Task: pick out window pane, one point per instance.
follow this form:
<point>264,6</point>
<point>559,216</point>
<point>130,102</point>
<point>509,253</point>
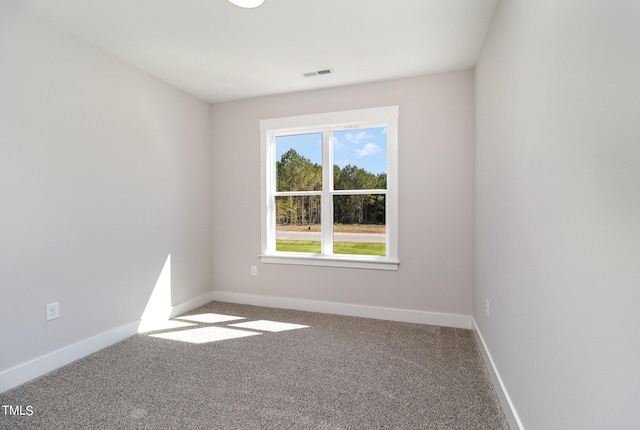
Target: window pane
<point>299,162</point>
<point>298,224</point>
<point>360,159</point>
<point>359,224</point>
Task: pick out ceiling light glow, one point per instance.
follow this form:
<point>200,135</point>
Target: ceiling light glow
<point>247,4</point>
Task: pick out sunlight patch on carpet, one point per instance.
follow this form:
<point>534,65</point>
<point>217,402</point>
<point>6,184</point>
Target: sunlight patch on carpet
<point>147,326</point>
<point>210,318</point>
<point>272,326</point>
<point>205,334</point>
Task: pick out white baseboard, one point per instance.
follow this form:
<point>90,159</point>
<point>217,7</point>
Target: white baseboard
<point>46,363</point>
<point>507,406</point>
<point>39,366</point>
<point>183,307</point>
<point>391,314</point>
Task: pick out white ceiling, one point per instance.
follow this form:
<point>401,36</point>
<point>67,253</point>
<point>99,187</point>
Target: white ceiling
<point>220,52</point>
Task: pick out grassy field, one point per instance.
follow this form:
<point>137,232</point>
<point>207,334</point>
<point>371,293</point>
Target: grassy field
<point>313,246</point>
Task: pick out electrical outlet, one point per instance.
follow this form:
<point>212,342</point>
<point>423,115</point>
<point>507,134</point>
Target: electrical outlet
<point>254,270</point>
<point>487,308</point>
<point>53,311</point>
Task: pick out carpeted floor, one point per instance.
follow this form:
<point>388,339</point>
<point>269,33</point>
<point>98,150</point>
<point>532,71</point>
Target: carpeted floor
<point>279,369</point>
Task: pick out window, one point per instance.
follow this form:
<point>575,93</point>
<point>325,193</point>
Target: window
<point>330,189</point>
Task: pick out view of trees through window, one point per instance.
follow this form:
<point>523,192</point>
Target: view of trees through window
<point>359,182</point>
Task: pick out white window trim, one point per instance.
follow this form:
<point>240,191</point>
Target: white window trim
<point>355,119</point>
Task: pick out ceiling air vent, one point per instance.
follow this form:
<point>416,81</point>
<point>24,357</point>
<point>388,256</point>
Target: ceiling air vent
<point>318,73</point>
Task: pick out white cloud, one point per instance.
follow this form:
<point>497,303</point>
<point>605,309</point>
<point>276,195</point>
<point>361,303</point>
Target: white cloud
<point>341,163</point>
<point>357,137</point>
<point>368,149</point>
<point>337,144</point>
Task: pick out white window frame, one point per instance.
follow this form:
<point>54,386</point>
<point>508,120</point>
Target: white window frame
<point>353,119</point>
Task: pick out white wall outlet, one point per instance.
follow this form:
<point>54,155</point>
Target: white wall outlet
<point>254,270</point>
<point>53,311</point>
<point>487,309</point>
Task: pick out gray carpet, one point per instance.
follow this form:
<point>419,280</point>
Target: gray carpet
<point>337,373</point>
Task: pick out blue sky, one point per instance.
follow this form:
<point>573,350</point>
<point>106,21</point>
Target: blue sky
<point>365,148</point>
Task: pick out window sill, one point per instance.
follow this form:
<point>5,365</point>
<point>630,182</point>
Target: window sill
<point>351,262</point>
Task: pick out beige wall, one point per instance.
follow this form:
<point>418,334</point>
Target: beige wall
<point>104,171</point>
<point>558,210</point>
<point>435,201</point>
